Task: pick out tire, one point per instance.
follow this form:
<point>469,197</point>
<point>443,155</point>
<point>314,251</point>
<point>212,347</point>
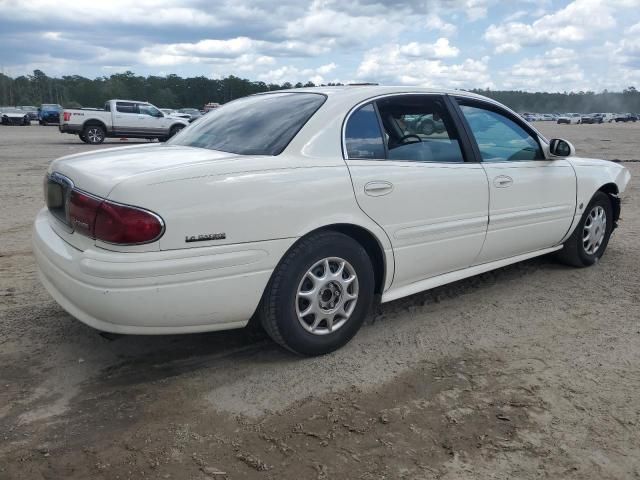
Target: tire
<point>94,134</point>
<point>579,252</point>
<point>83,138</point>
<point>282,307</point>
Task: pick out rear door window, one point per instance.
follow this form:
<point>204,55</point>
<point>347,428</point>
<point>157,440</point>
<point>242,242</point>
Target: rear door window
<point>419,128</point>
<point>126,107</point>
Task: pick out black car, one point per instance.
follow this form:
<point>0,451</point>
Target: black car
<point>626,117</point>
<point>31,111</point>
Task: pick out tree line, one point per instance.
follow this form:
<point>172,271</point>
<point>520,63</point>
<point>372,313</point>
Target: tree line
<point>173,91</point>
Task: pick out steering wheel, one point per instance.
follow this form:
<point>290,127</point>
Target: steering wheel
<point>402,139</point>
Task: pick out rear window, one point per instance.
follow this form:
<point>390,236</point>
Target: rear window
<point>256,125</point>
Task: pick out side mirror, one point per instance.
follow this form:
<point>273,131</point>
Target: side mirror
<point>561,148</point>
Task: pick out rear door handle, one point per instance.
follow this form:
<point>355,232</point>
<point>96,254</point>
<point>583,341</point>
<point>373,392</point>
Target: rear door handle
<point>503,181</point>
<point>378,188</point>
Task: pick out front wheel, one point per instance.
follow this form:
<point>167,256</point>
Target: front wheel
<point>589,240</point>
<point>319,295</point>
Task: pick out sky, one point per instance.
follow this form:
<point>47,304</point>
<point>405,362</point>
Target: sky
<point>533,45</point>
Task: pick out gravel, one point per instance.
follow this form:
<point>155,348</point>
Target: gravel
<point>526,372</point>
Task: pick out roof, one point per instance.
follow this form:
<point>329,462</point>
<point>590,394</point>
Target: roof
<point>375,90</point>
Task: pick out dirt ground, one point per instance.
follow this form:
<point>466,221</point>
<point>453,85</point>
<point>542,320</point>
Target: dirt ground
<point>528,372</point>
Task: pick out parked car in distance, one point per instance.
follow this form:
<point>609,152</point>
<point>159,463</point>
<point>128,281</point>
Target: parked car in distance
<point>211,106</point>
<point>569,118</point>
<point>591,118</point>
<point>175,113</point>
<point>302,206</point>
<point>30,110</point>
<point>193,113</point>
<point>120,119</point>
<point>626,117</point>
<point>49,113</point>
<point>14,116</point>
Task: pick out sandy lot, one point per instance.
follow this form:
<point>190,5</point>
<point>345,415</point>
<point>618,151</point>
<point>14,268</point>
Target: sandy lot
<point>528,372</point>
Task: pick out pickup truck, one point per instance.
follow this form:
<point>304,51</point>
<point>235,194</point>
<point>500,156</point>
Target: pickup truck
<point>120,119</point>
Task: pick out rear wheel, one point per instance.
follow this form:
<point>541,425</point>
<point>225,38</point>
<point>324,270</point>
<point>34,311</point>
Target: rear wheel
<point>94,134</point>
<point>83,138</point>
<point>589,240</point>
<point>319,295</point>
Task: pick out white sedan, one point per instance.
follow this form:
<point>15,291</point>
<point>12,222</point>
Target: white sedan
<point>301,207</point>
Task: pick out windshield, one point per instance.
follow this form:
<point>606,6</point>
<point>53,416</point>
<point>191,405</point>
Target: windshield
<point>255,125</point>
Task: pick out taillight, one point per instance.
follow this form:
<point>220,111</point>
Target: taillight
<point>82,212</point>
<point>66,116</point>
<point>126,225</point>
<point>112,222</point>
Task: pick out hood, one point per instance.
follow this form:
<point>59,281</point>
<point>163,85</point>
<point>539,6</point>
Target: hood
<point>100,171</point>
<point>14,114</point>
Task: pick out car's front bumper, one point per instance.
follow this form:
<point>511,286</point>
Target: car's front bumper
<point>161,292</point>
<point>13,120</point>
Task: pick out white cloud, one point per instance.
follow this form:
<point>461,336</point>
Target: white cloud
<point>435,22</point>
<point>574,23</point>
<point>395,64</point>
<point>553,70</point>
<point>440,49</point>
<point>293,74</point>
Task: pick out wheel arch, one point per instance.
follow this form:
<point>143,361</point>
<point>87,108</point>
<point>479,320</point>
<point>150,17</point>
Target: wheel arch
<point>366,239</point>
<point>96,122</point>
<point>612,191</point>
<point>371,244</point>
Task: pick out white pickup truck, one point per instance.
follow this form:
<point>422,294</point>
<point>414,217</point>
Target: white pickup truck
<point>120,119</point>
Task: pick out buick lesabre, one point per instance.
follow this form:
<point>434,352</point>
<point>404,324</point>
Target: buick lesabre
<point>300,208</point>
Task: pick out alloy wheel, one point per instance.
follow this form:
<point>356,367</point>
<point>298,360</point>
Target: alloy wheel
<point>327,296</point>
<point>94,135</point>
<point>595,228</point>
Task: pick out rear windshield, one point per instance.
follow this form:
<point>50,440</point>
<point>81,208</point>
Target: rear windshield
<point>256,125</point>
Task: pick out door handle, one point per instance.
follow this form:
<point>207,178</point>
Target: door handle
<point>503,181</point>
<point>378,188</point>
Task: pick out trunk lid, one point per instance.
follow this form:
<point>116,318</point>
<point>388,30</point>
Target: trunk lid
<point>99,172</point>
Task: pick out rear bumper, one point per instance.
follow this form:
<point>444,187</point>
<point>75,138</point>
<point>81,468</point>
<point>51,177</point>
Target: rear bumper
<point>165,292</point>
<point>73,129</point>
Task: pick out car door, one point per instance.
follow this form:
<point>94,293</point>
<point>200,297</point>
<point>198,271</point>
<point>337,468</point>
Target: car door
<point>128,120</point>
<point>407,163</point>
<point>532,199</point>
<point>154,120</point>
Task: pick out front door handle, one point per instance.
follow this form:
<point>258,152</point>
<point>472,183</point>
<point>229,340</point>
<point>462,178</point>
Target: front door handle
<point>503,181</point>
<point>378,188</point>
